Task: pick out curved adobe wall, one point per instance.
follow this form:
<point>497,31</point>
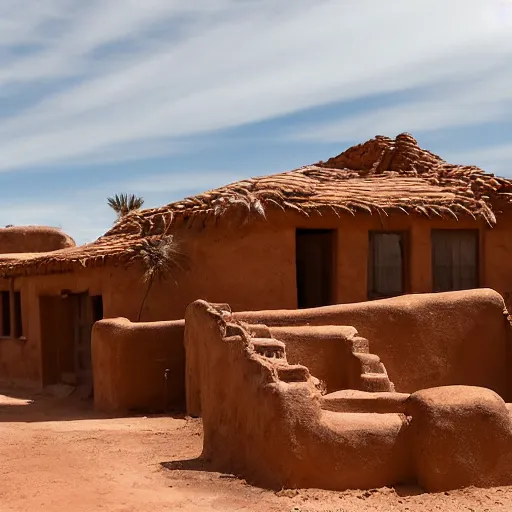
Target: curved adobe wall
<point>129,362</point>
<point>425,340</point>
<point>29,239</point>
<point>263,419</point>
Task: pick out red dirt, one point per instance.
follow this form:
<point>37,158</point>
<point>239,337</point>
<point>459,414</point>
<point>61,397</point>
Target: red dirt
<point>58,455</point>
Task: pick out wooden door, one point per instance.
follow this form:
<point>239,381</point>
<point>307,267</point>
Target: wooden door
<point>57,340</point>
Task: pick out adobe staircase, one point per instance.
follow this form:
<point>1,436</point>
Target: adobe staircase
<point>268,347</point>
<point>367,374</point>
<point>372,374</point>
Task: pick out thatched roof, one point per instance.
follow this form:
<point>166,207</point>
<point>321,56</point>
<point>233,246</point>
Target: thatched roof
<point>381,176</point>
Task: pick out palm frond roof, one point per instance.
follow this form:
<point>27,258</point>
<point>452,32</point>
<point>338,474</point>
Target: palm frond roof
<point>382,176</point>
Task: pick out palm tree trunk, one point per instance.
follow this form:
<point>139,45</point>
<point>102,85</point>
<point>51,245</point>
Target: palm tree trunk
<point>150,283</point>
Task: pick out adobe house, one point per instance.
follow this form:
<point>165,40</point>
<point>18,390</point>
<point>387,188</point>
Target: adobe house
<point>382,219</point>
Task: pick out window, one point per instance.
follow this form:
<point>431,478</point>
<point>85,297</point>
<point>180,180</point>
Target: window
<point>97,307</point>
<point>9,310</point>
<point>6,314</point>
<point>454,259</point>
<point>386,268</point>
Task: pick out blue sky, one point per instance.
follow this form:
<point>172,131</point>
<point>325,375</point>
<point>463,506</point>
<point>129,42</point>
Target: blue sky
<point>167,98</point>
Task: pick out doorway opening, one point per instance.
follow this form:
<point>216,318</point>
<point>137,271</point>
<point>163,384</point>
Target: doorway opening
<point>314,256</point>
<point>66,326</point>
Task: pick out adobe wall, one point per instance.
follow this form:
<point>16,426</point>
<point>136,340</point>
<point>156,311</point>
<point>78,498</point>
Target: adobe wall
<point>129,365</point>
<point>18,361</point>
<point>352,245</point>
<point>424,340</point>
<point>497,251</point>
<point>252,268</point>
<point>264,420</point>
<point>32,239</point>
<point>226,263</point>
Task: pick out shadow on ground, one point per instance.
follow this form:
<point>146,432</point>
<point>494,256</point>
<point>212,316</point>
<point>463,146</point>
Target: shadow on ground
<point>202,465</point>
<point>197,464</point>
<point>24,405</point>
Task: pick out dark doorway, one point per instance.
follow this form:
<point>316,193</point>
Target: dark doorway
<point>57,340</point>
<point>66,326</point>
<point>454,259</point>
<point>314,264</point>
<point>386,265</point>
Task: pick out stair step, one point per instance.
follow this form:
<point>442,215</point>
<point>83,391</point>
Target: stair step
<point>376,382</point>
<point>355,401</point>
<point>360,345</point>
<point>268,347</point>
<point>293,373</point>
<point>258,330</point>
<point>233,330</point>
<point>370,363</point>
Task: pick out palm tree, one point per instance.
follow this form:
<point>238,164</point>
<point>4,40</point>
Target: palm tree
<point>160,259</point>
<point>123,204</point>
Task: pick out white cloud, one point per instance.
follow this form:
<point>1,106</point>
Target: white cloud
<point>223,64</point>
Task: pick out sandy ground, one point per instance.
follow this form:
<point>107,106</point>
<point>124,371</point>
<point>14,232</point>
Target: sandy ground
<point>56,454</point>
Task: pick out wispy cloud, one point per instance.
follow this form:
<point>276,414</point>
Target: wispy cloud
<point>468,101</point>
<point>129,72</point>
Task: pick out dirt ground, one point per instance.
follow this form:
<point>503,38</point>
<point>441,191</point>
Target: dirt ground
<point>56,454</point>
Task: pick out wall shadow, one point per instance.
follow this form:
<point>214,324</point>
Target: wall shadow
<point>19,405</point>
<point>200,464</point>
<point>197,464</point>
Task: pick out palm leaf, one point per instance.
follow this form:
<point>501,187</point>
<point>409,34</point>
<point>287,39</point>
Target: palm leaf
<point>160,259</point>
<point>123,204</point>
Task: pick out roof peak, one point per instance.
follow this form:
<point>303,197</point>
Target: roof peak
<point>383,154</point>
